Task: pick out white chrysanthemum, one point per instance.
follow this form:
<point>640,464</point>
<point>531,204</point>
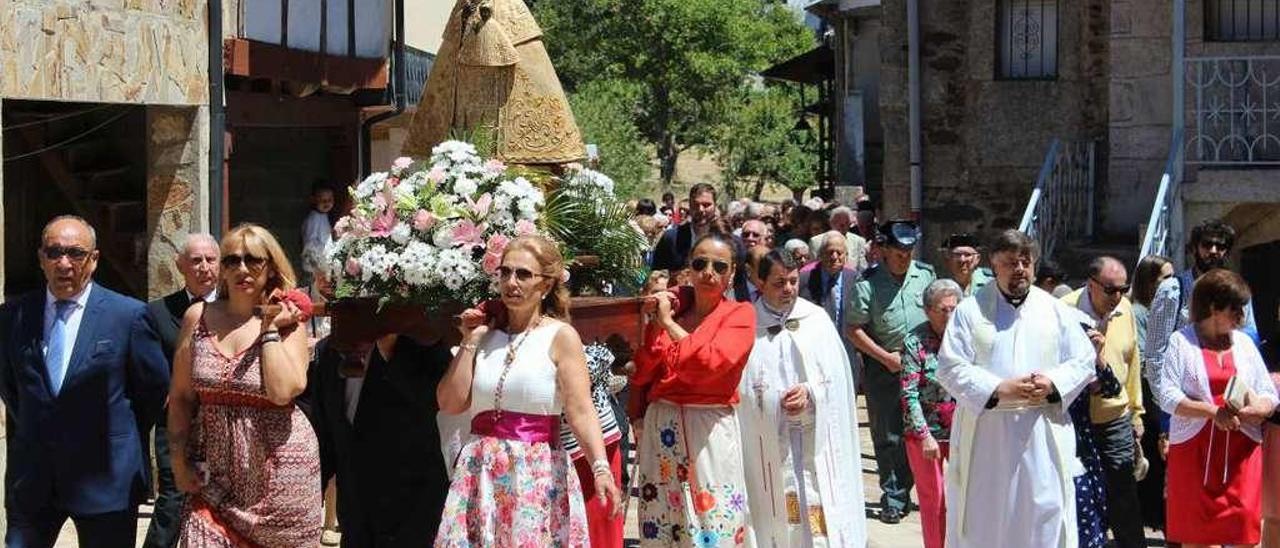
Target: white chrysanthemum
<point>443,237</point>
<point>417,264</point>
<point>370,185</point>
<point>371,262</point>
<point>401,233</point>
<point>454,268</point>
<point>464,186</point>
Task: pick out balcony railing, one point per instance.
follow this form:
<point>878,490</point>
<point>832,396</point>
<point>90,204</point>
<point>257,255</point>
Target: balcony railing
<point>1235,110</point>
<point>1061,204</point>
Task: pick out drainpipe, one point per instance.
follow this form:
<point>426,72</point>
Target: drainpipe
<point>913,115</point>
<point>217,121</point>
<point>398,95</point>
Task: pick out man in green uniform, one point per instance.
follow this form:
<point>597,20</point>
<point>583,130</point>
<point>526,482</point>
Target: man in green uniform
<point>884,307</point>
<point>962,257</point>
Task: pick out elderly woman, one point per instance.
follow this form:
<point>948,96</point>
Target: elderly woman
<point>1215,463</point>
<point>799,251</point>
<point>928,407</point>
<point>685,389</point>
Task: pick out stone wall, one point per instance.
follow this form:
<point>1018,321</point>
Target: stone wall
<point>108,51</point>
<point>984,138</point>
<point>177,189</point>
<point>1141,101</point>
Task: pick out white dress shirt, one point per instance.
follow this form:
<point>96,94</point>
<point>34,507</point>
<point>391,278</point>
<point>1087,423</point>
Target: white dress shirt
<point>73,326</point>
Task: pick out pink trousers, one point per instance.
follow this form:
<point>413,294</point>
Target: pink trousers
<point>930,490</point>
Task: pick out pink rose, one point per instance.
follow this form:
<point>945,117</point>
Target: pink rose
<point>393,182</point>
<point>423,220</point>
<point>353,267</point>
<point>384,222</point>
<point>495,166</point>
<point>342,227</point>
<point>524,227</point>
<point>466,233</point>
<point>402,162</point>
<point>493,250</point>
<point>436,175</point>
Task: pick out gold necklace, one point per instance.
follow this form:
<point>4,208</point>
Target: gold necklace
<point>510,358</point>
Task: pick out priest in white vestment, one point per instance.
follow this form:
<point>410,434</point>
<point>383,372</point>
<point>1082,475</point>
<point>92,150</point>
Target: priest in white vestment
<point>799,427</point>
<point>1014,358</point>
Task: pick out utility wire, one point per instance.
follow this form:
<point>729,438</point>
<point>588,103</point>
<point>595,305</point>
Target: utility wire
<point>71,140</point>
<point>56,118</point>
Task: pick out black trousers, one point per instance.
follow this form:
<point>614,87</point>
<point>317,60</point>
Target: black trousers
<point>40,528</point>
<point>884,409</point>
<point>165,525</point>
<point>1124,513</point>
<point>1151,489</point>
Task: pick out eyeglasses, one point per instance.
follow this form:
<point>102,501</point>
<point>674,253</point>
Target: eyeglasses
<point>251,262</point>
<point>56,252</point>
<point>1217,245</point>
<point>700,265</point>
<point>521,274</point>
<point>1113,290</point>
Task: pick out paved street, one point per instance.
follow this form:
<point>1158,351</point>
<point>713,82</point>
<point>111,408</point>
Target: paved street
<point>903,535</point>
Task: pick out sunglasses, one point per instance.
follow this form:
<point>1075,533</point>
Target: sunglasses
<point>1215,245</point>
<point>232,262</point>
<point>1114,290</point>
<point>521,274</point>
<point>751,234</point>
<point>700,265</point>
<point>55,252</point>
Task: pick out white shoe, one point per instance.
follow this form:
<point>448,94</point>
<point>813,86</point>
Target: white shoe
<point>330,538</point>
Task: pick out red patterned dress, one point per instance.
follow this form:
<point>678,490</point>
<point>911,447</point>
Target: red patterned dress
<point>259,463</point>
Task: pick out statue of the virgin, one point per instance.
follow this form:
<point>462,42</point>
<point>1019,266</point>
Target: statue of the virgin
<point>493,75</point>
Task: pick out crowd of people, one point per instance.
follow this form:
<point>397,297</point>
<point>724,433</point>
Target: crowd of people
<point>1024,412</point>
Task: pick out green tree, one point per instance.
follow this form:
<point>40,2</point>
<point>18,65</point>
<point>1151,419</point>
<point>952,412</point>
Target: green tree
<point>689,58</point>
<point>606,114</point>
<point>760,144</point>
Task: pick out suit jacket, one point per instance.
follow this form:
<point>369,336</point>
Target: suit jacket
<point>165,317</point>
<point>80,451</point>
<point>811,289</point>
<point>392,480</point>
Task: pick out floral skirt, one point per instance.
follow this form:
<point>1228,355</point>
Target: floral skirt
<point>513,494</point>
<point>692,488</point>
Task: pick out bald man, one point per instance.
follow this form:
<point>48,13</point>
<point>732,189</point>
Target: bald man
<point>197,261</point>
<point>82,374</point>
<point>1115,410</point>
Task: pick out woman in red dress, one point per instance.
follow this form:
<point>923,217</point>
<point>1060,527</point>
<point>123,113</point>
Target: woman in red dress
<point>685,389</point>
<point>245,455</point>
<point>1215,465</point>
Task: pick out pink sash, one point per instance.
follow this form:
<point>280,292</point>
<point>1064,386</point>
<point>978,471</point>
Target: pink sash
<point>515,426</point>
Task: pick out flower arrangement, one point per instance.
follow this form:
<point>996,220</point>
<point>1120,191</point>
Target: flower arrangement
<point>433,232</point>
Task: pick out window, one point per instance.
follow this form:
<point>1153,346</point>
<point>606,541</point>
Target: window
<point>1028,40</point>
<point>1242,20</point>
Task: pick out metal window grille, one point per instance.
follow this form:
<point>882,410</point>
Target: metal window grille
<point>1242,20</point>
<point>1028,40</point>
<point>417,68</point>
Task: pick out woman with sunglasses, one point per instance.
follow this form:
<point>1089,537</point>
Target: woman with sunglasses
<point>518,368</point>
<point>685,389</point>
<point>243,452</point>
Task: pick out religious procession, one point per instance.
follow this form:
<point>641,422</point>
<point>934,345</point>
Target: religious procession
<point>606,273</point>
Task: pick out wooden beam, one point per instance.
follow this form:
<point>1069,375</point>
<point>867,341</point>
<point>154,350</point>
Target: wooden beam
<point>266,110</point>
<point>243,57</point>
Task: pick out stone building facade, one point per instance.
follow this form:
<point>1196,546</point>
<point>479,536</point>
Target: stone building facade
<point>63,63</point>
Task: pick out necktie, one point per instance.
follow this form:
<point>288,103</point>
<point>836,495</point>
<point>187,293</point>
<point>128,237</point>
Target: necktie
<point>56,357</point>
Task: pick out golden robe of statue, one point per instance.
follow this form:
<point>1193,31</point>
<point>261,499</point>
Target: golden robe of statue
<point>493,74</point>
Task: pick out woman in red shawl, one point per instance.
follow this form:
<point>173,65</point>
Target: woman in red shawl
<point>685,389</point>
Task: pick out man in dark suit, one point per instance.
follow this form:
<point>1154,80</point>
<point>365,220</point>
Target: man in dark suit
<point>379,435</point>
<point>198,264</point>
<point>672,251</point>
<point>830,285</point>
<point>82,373</point>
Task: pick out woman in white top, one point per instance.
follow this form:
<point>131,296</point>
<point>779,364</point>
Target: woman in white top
<point>512,484</point>
<point>1215,464</point>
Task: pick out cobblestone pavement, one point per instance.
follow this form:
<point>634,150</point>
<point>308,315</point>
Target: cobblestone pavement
<point>903,535</point>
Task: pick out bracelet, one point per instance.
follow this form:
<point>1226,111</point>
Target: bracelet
<point>468,347</point>
<point>270,337</point>
<point>600,467</point>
